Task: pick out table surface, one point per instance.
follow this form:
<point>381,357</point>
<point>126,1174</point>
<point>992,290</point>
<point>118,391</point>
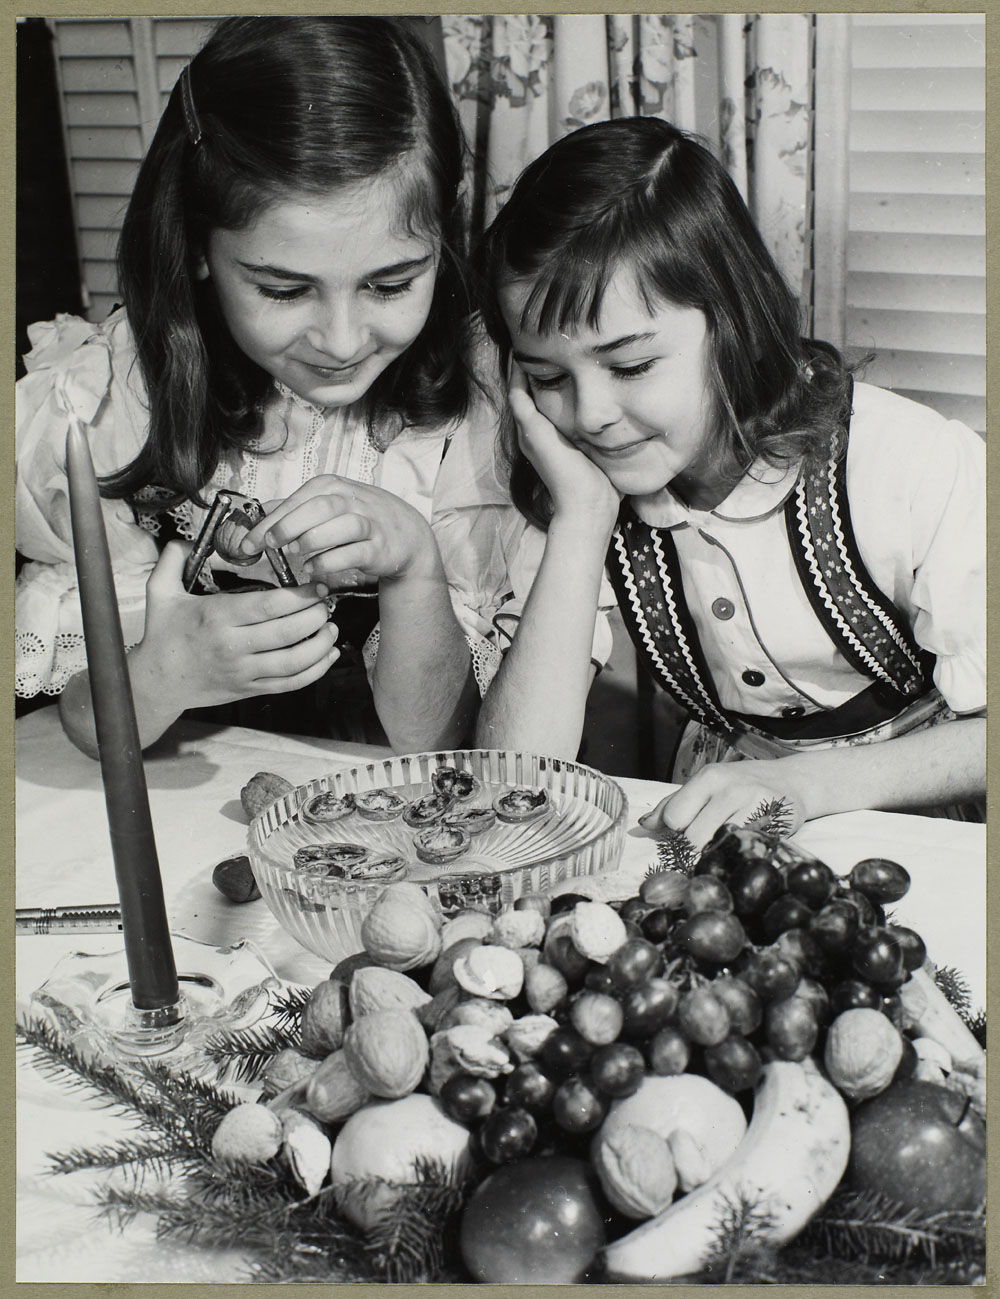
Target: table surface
<point>194,776</point>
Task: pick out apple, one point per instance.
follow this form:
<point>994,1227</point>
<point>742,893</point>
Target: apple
<point>534,1222</point>
<point>922,1145</point>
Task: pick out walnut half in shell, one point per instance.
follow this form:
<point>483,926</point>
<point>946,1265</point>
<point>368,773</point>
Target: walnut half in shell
<point>522,804</point>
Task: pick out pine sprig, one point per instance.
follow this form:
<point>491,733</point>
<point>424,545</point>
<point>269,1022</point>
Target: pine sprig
<point>187,1109</point>
<point>411,1244</point>
<point>738,1237</point>
<point>870,1226</point>
<point>157,1156</point>
<point>249,1051</point>
<point>771,816</point>
<point>674,852</point>
<point>286,1009</point>
<point>955,988</point>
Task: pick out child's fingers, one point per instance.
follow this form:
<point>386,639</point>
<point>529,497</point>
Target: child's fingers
<point>279,528</point>
<point>168,573</point>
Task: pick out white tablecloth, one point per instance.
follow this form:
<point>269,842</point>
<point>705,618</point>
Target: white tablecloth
<point>194,778</point>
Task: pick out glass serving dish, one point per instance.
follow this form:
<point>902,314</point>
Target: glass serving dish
<point>581,832</point>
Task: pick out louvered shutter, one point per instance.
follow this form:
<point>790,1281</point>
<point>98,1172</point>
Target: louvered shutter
<point>115,76</point>
<point>916,266</point>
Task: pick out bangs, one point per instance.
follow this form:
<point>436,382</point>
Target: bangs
<point>570,282</point>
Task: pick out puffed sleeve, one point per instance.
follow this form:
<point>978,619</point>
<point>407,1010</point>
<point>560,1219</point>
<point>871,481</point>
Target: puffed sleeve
<point>490,553</point>
<point>918,496</point>
<point>949,588</point>
<point>89,367</point>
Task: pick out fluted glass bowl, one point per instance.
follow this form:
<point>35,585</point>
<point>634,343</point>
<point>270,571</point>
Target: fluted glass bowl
<point>582,833</point>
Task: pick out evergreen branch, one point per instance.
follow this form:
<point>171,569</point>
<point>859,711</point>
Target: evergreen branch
<point>287,1007</point>
<point>771,816</point>
<point>249,1050</point>
<point>955,988</point>
<point>737,1237</point>
<point>185,1108</point>
<point>674,851</point>
<point>869,1226</point>
<point>155,1156</point>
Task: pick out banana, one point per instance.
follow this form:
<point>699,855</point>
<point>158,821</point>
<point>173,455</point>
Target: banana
<point>787,1166</point>
<point>931,1014</point>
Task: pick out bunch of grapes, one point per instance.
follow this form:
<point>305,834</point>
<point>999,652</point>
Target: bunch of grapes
<point>748,959</point>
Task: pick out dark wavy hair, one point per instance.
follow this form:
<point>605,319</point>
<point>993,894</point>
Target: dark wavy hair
<point>286,105</point>
<point>640,195</point>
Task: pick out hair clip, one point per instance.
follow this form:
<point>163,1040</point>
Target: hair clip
<point>191,122</point>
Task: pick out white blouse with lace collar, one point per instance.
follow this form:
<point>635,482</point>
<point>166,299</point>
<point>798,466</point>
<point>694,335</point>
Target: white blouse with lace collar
<point>449,474</point>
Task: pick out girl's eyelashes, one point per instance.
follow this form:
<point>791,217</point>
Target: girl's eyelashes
<point>281,295</point>
<point>544,381</point>
<point>395,290</point>
<point>383,292</point>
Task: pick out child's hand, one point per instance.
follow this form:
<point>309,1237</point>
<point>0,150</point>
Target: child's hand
<point>201,650</point>
<point>340,528</point>
<point>575,484</point>
<point>729,791</point>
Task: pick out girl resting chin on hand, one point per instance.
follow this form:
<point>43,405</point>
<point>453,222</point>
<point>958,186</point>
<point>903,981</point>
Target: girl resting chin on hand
<point>799,558</point>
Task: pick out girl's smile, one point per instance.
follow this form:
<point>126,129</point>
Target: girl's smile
<point>324,292</point>
<point>633,394</point>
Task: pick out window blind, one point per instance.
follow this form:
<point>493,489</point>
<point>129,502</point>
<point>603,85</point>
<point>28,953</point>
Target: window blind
<point>916,254</point>
<point>115,76</point>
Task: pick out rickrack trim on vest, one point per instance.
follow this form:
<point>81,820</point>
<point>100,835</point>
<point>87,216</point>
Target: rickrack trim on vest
<point>643,583</point>
<point>862,622</point>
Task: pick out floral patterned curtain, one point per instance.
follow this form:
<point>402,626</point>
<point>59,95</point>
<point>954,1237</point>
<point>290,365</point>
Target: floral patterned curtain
<point>740,81</point>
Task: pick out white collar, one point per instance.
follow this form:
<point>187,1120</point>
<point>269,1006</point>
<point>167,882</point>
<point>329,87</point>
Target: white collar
<point>761,492</point>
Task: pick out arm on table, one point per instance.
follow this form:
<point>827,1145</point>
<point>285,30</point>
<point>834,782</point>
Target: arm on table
<point>942,765</point>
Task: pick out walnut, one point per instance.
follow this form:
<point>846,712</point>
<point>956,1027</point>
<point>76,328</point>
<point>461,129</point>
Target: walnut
<point>387,1052</point>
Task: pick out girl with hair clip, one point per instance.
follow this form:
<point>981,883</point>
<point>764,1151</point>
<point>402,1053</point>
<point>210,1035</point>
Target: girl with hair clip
<point>295,331</point>
<point>799,558</point>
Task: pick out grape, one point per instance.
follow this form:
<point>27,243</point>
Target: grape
<point>790,1027</point>
<point>812,881</point>
<point>707,893</point>
<point>801,946</point>
<point>596,1017</point>
<point>835,926</point>
<point>564,1052</point>
<point>657,925</point>
<point>634,962</point>
<point>648,1006</point>
<point>664,889</point>
<point>618,1069</point>
<point>702,1016</point>
<point>878,957</point>
<point>529,1087</point>
<point>713,936</point>
<point>754,887</point>
<point>598,979</point>
<point>880,880</point>
<point>669,1051</point>
<point>772,975</point>
<point>566,902</point>
<point>734,1064</point>
<point>740,1000</point>
<point>853,993</point>
<point>466,1098</point>
<point>914,949</point>
<point>578,1107</point>
<point>786,912</point>
<point>507,1135</point>
<point>817,997</point>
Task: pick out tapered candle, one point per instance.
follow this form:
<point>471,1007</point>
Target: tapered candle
<point>148,952</point>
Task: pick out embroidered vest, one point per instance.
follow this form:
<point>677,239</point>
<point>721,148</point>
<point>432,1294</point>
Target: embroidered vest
<point>860,619</point>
